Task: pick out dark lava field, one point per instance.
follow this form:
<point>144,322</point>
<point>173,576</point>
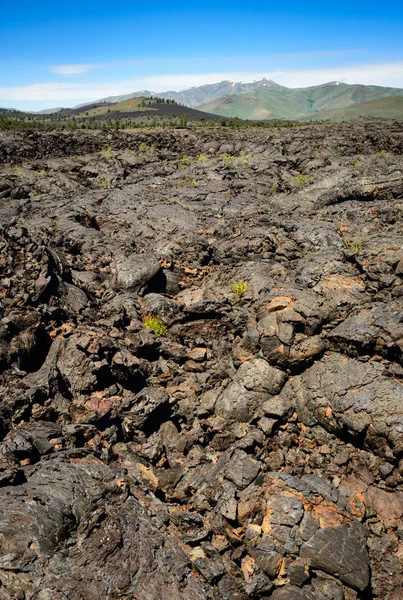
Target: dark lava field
<point>201,376</point>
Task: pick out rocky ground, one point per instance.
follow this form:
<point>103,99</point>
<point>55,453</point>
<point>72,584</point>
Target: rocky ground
<point>249,444</point>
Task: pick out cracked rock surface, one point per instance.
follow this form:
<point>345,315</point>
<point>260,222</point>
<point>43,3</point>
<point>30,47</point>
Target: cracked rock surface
<point>201,376</point>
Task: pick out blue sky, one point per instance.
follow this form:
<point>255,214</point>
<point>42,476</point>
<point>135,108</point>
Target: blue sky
<point>65,53</point>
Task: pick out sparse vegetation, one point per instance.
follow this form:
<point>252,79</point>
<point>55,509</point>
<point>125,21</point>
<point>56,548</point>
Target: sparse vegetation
<point>235,161</point>
<point>239,287</point>
<point>107,152</point>
<point>356,247</point>
<point>187,181</point>
<point>147,148</point>
<point>301,179</point>
<point>155,324</point>
<point>228,159</point>
<point>244,160</point>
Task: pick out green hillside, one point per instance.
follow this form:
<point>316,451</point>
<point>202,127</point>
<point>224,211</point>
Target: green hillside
<point>286,103</point>
<point>253,104</point>
<point>391,108</point>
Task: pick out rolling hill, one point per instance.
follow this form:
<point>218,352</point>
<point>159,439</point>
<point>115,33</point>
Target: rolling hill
<point>137,108</point>
<point>128,113</point>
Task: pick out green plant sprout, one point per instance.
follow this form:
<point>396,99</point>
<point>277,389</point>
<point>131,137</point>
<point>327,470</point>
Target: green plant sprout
<point>352,246</point>
<point>156,325</point>
<point>239,287</point>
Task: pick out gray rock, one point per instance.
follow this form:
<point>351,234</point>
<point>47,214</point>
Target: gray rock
<point>278,406</point>
<point>340,551</point>
<point>258,376</point>
<point>253,383</point>
<point>230,588</point>
<point>379,329</point>
<point>49,505</point>
<point>77,369</point>
<point>160,306</point>
<point>74,299</point>
<point>292,592</point>
<point>347,395</point>
<point>267,558</point>
<point>285,510</point>
<point>134,272</point>
<point>298,572</point>
<point>242,469</point>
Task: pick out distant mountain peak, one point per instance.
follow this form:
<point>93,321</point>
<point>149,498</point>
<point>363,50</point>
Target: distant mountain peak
<point>196,95</point>
<point>269,81</point>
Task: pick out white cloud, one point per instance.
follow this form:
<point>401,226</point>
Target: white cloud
<point>70,69</point>
<point>389,74</point>
<point>78,68</point>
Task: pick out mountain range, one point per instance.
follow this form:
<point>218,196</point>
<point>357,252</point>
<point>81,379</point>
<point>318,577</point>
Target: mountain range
<point>266,99</point>
<point>196,96</point>
<point>286,103</point>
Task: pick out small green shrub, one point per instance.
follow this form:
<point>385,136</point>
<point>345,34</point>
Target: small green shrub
<point>146,148</point>
<point>352,246</point>
<point>186,181</point>
<point>202,158</point>
<point>239,287</point>
<point>228,159</point>
<point>107,152</point>
<point>300,179</point>
<point>155,323</point>
<point>244,160</point>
